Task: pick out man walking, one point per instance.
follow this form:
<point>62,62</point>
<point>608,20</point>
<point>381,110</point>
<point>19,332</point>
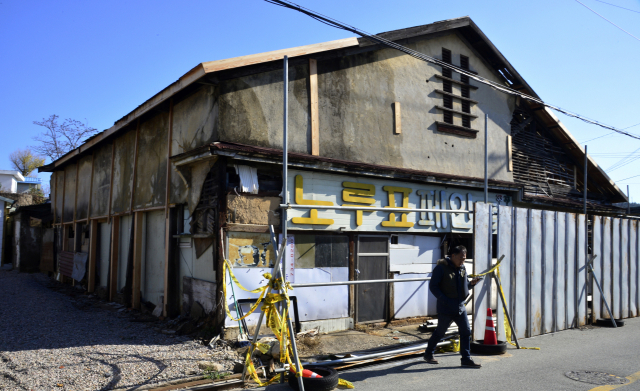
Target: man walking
<point>449,284</point>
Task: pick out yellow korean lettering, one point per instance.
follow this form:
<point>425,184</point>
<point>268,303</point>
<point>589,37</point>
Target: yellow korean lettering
<point>313,213</point>
<point>361,193</point>
<point>392,222</point>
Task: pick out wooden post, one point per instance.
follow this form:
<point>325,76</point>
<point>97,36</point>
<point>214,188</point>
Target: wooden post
<point>93,249</point>
<point>64,191</point>
<point>113,262</point>
<point>54,198</point>
<point>137,259</point>
<point>313,95</point>
<point>113,158</point>
<point>397,129</point>
<point>135,167</point>
<point>167,217</point>
<point>93,161</point>
<point>75,199</point>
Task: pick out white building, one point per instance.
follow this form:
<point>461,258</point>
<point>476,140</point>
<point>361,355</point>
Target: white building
<point>9,180</point>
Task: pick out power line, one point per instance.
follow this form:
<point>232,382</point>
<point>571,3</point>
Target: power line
<point>608,20</point>
<point>608,134</point>
<point>421,56</point>
<point>618,6</point>
<point>628,178</point>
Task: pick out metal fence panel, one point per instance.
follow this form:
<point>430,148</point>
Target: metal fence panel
<point>624,268</point>
<point>520,272</point>
<point>481,262</point>
<point>633,268</point>
<point>560,295</point>
<point>505,247</point>
<point>535,273</point>
<point>548,270</point>
<point>605,282</point>
<point>581,275</point>
<point>596,301</point>
<point>570,226</point>
<point>615,272</point>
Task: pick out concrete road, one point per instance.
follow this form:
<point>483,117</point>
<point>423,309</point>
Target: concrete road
<point>613,351</point>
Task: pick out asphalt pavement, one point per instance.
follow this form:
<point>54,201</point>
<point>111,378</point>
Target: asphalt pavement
<point>612,351</point>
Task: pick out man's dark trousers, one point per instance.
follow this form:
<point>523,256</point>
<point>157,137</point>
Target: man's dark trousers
<point>444,321</point>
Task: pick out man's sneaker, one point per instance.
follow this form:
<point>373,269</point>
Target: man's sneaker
<point>430,360</point>
<point>470,364</point>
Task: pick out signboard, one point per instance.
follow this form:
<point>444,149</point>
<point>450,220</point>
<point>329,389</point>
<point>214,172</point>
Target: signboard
<point>314,188</point>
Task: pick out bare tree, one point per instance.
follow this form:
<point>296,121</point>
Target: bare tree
<point>60,138</point>
<point>25,161</point>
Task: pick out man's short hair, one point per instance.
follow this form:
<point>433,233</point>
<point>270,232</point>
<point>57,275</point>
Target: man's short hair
<point>458,250</point>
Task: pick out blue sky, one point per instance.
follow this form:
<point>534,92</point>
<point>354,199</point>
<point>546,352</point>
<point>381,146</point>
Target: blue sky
<point>97,61</point>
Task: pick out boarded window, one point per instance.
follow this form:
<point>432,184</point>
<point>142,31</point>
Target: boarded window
<point>321,251</point>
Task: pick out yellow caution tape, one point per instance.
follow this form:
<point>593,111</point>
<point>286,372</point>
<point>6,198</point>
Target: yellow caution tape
<point>496,266</point>
<point>345,383</point>
<point>276,322</point>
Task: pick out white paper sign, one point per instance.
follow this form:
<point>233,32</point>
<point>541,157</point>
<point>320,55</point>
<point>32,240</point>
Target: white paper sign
<point>289,260</point>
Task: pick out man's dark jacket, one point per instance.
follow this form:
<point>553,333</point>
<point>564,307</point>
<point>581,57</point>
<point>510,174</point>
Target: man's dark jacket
<point>449,284</point>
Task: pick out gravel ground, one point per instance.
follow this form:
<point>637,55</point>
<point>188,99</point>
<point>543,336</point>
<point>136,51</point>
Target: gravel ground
<point>51,341</point>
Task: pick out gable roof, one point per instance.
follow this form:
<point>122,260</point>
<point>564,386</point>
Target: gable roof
<point>463,25</point>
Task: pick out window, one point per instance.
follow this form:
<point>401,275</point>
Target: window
<point>448,95</point>
<point>319,251</point>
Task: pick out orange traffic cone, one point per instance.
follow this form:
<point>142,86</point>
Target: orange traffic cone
<point>306,373</point>
<point>490,330</point>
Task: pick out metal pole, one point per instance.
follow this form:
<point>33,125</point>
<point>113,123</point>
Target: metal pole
<point>486,158</point>
<point>285,147</point>
<point>595,278</point>
<point>504,306</point>
<point>340,283</point>
<point>585,182</point>
<point>372,208</point>
<point>276,269</point>
<point>628,202</point>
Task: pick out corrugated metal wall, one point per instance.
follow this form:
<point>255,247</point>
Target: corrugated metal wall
<point>544,272</point>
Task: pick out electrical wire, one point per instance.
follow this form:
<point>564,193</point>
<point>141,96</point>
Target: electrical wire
<point>421,56</point>
<point>628,178</point>
<point>608,20</point>
<point>608,134</point>
<point>604,2</point>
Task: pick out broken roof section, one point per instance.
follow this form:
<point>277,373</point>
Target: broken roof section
<point>464,26</point>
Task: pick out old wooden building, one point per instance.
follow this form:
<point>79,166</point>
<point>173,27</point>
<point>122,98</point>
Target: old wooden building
<point>194,174</point>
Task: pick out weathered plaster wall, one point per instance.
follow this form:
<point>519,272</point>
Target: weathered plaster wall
<point>123,254</point>
<point>123,172</point>
<point>356,118</point>
<point>254,210</point>
<point>251,110</point>
<point>84,187</point>
<point>69,191</point>
<point>101,180</point>
<point>151,170</point>
<point>195,123</point>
